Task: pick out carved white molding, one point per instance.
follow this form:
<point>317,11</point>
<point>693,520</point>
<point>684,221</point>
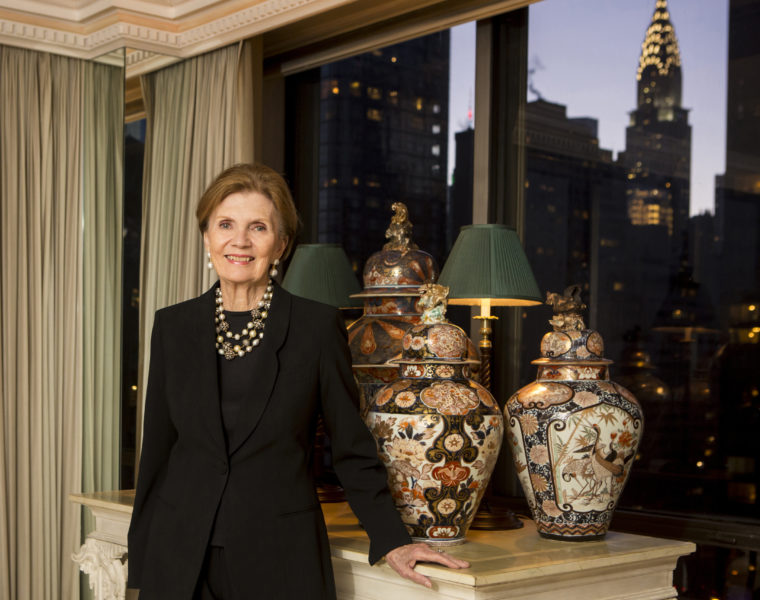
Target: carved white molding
<point>106,565</point>
<point>81,10</point>
<point>161,36</point>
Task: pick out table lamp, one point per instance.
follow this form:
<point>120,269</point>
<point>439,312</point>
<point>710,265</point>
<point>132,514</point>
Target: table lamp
<point>322,272</point>
<point>487,267</point>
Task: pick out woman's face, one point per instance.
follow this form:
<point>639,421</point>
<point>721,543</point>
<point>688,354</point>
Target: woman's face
<point>242,238</point>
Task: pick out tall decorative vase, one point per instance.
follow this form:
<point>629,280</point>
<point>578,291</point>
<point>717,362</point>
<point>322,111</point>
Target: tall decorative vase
<point>437,431</point>
<point>392,278</point>
<point>574,433</point>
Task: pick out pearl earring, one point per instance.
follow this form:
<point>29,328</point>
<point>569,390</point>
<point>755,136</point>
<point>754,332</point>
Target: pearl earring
<point>209,264</point>
<point>273,271</point>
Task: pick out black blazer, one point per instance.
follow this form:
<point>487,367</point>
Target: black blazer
<point>279,547</point>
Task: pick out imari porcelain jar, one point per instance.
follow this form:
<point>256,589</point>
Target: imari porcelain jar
<point>392,278</point>
<point>574,433</point>
<point>437,431</point>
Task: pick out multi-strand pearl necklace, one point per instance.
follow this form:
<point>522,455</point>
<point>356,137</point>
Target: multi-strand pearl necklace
<point>231,344</point>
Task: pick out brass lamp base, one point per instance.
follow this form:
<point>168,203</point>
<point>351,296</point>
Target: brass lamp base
<point>494,515</point>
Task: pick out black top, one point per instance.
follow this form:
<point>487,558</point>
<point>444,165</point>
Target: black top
<point>237,386</point>
<point>236,376</point>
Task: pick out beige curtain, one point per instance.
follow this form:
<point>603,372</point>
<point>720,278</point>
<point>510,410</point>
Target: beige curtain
<point>102,195</point>
<point>48,316</point>
<point>199,121</point>
<point>41,316</point>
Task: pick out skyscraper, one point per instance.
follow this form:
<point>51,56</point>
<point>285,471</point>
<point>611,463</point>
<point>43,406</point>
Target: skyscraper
<point>658,139</point>
<point>575,223</point>
<point>460,193</point>
<point>738,191</point>
<point>384,138</point>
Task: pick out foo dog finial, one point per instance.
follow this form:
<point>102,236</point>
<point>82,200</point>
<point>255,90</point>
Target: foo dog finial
<point>567,309</point>
<point>399,232</point>
<point>433,300</point>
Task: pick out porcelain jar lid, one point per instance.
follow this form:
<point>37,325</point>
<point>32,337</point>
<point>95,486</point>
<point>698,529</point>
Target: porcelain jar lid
<point>400,268</point>
<point>438,343</point>
<point>570,341</point>
<point>435,340</point>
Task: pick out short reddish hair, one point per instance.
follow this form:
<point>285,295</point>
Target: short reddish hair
<point>252,178</point>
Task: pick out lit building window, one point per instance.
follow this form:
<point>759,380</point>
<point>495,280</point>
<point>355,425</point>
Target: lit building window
<point>436,129</point>
<point>418,104</point>
<point>618,286</point>
<point>436,150</point>
<point>374,93</point>
<point>374,114</point>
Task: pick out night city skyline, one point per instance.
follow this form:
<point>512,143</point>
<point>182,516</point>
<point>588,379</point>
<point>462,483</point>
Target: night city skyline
<point>607,36</point>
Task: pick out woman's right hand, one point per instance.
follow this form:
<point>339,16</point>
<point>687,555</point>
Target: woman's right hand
<point>404,558</point>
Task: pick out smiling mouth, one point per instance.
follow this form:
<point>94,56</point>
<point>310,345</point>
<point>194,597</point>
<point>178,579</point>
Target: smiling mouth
<point>239,259</point>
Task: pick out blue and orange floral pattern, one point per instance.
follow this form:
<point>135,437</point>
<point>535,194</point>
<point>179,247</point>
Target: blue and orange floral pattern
<point>438,433</point>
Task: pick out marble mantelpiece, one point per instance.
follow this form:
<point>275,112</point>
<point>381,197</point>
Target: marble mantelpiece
<point>103,556</point>
<point>516,564</point>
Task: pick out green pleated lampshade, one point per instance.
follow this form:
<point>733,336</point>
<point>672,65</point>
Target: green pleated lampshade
<point>488,262</point>
<point>322,272</point>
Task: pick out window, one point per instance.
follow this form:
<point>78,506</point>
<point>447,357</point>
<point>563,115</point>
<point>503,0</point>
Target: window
<point>405,145</point>
<point>654,171</point>
<point>635,183</point>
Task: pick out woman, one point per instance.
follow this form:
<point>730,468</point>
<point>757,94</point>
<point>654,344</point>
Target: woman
<point>225,504</point>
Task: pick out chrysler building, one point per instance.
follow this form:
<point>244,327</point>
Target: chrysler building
<point>658,139</point>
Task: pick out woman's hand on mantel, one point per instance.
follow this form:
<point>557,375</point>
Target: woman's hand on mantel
<point>403,559</point>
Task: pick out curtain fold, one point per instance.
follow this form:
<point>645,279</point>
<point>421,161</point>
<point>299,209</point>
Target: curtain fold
<point>40,317</point>
<point>102,210</point>
<point>43,156</point>
<point>199,121</point>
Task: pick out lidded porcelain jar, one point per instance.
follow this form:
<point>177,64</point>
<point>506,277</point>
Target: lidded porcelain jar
<point>392,278</point>
<point>438,432</point>
<point>574,433</point>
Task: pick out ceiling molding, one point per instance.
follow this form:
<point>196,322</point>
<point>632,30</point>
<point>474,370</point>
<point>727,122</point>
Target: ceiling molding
<point>89,29</point>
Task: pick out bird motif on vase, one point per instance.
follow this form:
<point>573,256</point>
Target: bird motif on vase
<point>599,464</point>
